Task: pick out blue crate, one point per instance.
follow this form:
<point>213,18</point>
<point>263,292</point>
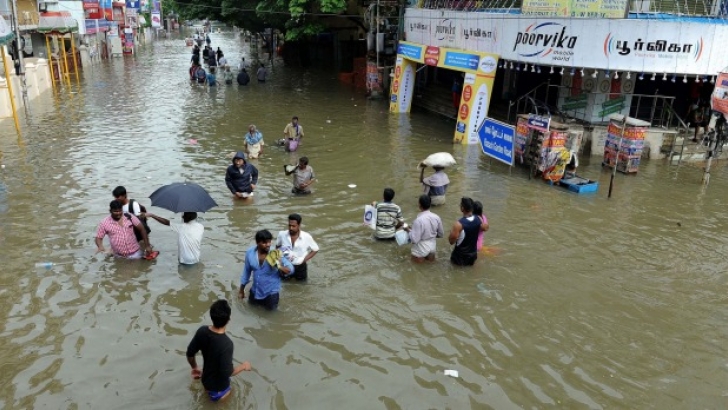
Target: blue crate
<point>579,185</point>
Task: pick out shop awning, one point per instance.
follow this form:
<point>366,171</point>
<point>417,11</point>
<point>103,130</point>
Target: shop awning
<point>57,22</point>
<point>5,34</point>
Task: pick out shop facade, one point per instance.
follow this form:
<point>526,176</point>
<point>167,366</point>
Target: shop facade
<point>596,63</point>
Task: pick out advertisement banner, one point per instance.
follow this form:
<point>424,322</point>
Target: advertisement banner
<point>128,41</point>
<point>719,99</point>
<point>157,6</point>
<point>615,44</point>
<point>614,9</point>
<point>156,20</point>
<point>403,85</point>
<point>91,4</point>
<point>496,140</point>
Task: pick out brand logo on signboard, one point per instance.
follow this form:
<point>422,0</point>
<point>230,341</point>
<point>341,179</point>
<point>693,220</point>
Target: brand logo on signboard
<point>445,30</point>
<point>480,34</point>
<point>544,39</point>
<point>418,26</point>
<point>655,48</point>
<point>488,64</point>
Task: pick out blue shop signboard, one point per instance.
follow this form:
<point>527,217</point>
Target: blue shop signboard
<point>496,140</point>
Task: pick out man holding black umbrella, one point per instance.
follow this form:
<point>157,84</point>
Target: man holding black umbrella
<point>189,236</point>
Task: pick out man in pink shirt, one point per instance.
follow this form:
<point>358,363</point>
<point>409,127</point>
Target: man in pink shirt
<point>120,229</point>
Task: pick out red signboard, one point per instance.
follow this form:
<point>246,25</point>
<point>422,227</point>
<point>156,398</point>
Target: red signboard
<point>467,93</point>
<point>464,111</point>
<point>432,55</point>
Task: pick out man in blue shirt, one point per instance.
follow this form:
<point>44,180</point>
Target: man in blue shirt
<point>265,268</point>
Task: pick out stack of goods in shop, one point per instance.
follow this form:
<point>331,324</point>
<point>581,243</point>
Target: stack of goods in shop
<point>624,147</point>
<point>554,155</point>
<point>521,140</point>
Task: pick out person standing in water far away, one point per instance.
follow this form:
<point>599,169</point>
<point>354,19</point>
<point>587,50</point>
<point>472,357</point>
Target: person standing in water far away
<point>254,142</point>
<point>292,135</point>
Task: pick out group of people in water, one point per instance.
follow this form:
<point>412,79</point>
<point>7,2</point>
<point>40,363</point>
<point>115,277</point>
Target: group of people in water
<point>466,234</point>
<point>270,261</point>
<point>217,65</point>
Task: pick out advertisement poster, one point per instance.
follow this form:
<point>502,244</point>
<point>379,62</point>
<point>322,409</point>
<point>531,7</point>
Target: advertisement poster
<point>156,20</point>
<point>719,99</point>
<point>128,41</point>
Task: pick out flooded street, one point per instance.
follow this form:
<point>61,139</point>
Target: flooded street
<point>578,302</point>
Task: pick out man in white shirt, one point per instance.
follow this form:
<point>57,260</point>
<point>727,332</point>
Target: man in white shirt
<point>298,246</point>
<point>189,236</point>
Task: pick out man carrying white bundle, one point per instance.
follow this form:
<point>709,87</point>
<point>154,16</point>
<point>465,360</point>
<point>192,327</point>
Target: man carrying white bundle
<point>435,186</point>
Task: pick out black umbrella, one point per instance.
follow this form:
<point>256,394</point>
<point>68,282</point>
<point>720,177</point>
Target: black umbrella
<point>182,197</point>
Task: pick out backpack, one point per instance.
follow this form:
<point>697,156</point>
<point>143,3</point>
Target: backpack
<point>142,220</point>
<point>201,75</point>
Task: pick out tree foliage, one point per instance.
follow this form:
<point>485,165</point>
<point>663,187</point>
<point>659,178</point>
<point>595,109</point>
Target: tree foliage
<point>296,18</point>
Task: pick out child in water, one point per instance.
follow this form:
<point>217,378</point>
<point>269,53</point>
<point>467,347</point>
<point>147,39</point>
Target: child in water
<point>211,79</point>
<point>228,76</point>
<point>478,211</point>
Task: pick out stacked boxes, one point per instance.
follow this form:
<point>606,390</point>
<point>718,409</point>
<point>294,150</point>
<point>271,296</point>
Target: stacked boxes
<point>630,149</point>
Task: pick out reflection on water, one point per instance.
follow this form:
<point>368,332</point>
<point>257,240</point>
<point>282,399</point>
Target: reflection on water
<point>577,302</point>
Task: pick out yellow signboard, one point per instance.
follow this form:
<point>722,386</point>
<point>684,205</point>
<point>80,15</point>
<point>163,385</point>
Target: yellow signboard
<point>613,9</point>
<point>479,69</point>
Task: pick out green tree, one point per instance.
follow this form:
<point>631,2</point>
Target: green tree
<point>296,18</point>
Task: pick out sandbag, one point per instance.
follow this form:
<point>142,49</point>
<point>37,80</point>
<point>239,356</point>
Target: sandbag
<point>439,159</point>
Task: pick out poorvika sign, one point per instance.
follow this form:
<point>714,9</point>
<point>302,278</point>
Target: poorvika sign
<point>616,44</point>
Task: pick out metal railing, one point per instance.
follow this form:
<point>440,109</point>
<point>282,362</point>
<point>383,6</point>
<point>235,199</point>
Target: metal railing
<point>658,110</point>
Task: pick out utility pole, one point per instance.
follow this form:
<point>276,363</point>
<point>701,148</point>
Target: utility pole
<point>19,55</point>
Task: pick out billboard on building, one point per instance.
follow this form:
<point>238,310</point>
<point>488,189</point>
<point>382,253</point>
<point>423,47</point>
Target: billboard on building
<point>610,9</point>
<point>618,45</point>
<point>156,20</point>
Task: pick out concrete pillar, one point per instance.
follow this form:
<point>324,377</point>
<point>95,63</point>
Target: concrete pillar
<point>6,110</point>
<point>31,80</point>
<point>42,75</point>
<point>85,56</point>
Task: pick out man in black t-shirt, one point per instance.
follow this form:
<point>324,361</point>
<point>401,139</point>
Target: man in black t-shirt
<point>217,353</point>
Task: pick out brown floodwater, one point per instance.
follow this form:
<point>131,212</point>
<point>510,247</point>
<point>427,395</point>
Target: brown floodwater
<point>578,301</point>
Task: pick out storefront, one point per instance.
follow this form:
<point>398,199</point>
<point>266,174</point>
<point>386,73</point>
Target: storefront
<point>597,63</point>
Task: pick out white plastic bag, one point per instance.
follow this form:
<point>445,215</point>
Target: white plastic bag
<point>440,159</point>
<point>370,216</point>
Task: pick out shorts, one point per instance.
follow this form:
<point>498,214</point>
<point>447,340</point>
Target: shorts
<point>269,302</point>
<point>463,259</point>
<point>136,255</point>
<point>437,200</point>
<point>217,395</point>
<point>300,191</point>
<point>424,247</point>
